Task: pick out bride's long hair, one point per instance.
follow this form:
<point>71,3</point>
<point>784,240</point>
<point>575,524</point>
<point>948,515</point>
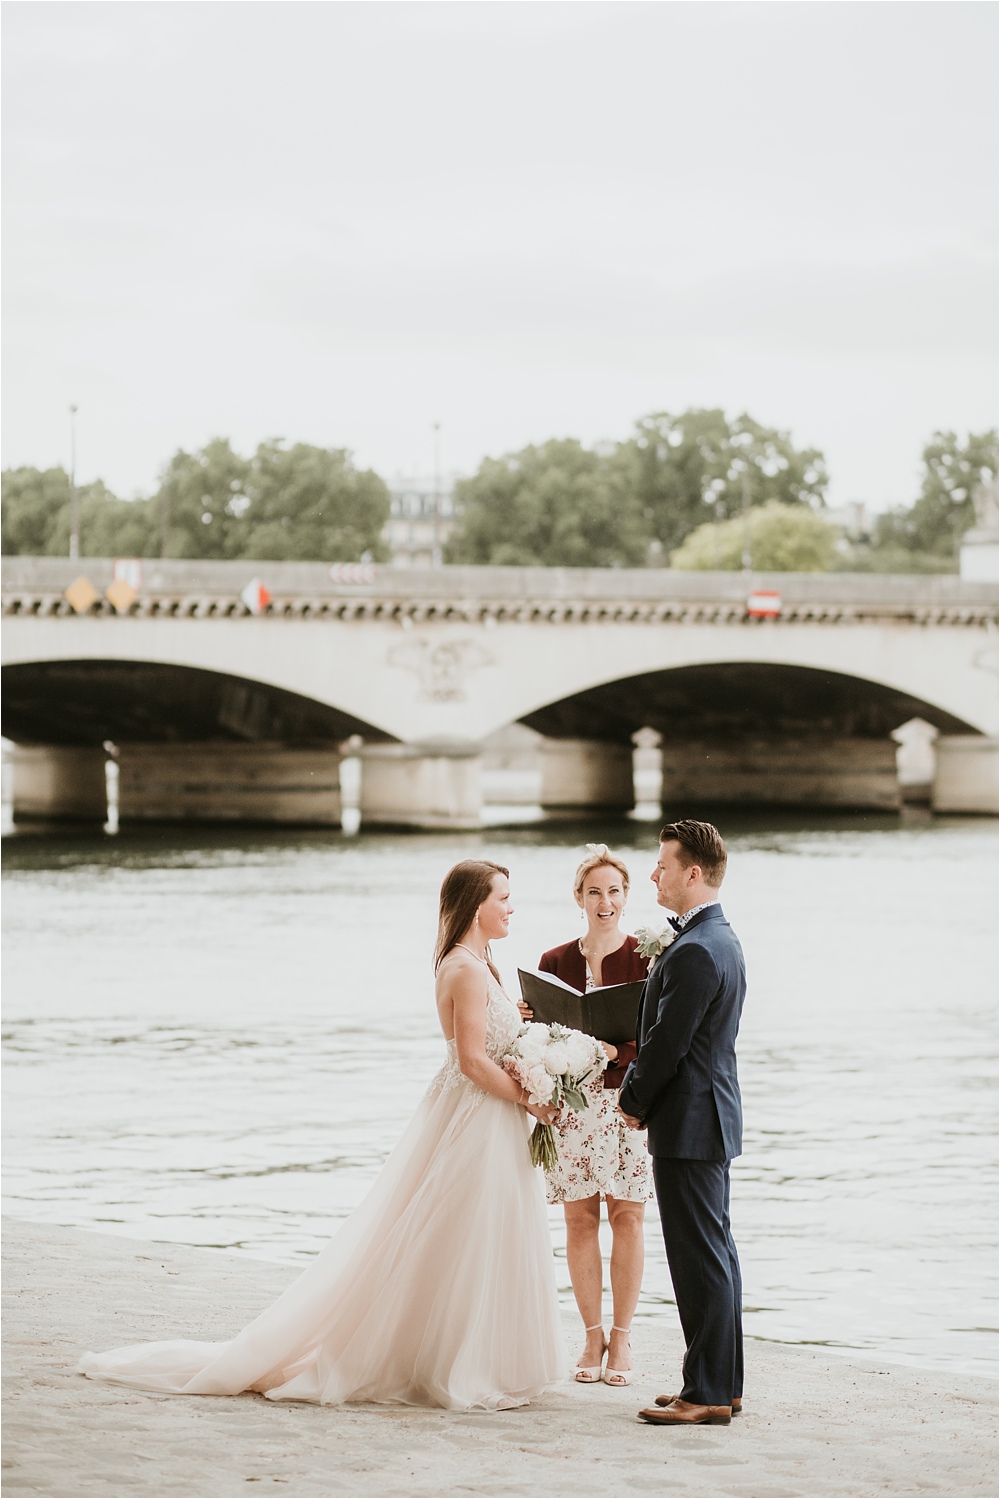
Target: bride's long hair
<point>465,888</point>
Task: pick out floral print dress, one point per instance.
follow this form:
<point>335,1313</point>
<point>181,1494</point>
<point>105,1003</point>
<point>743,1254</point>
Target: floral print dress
<point>598,1153</point>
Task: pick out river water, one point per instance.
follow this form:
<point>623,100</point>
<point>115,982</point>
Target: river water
<point>215,1038</point>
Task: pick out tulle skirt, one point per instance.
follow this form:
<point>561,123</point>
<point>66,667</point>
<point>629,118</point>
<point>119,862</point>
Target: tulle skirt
<point>439,1289</point>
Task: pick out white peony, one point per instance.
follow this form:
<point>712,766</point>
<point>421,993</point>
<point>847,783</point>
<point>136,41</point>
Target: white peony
<point>532,1041</point>
<point>556,1058</point>
<point>581,1052</point>
<point>539,1083</point>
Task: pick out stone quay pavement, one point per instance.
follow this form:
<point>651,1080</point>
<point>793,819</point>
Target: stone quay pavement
<point>815,1423</point>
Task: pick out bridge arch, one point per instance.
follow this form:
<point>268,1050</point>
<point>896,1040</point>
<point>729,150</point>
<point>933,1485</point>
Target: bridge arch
<point>89,702</point>
<point>730,699</point>
<point>728,733</point>
<point>190,745</point>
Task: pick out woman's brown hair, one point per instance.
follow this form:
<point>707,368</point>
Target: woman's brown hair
<point>463,891</point>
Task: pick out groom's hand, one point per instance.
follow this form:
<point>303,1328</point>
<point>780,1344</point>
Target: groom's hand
<point>630,1119</point>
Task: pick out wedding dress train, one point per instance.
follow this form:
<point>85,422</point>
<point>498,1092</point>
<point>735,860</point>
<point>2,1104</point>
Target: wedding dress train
<point>438,1290</point>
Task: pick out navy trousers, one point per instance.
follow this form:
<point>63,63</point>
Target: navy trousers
<point>693,1199</point>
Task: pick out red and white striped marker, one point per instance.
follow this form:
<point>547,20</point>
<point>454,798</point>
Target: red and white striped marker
<point>763,604</point>
<point>351,572</point>
<point>255,596</point>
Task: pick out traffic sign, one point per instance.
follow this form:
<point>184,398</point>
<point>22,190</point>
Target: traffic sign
<point>255,596</point>
<point>763,603</point>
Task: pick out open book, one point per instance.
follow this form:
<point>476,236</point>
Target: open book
<point>609,1013</point>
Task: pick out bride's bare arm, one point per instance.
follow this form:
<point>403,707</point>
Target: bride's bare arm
<point>466,990</point>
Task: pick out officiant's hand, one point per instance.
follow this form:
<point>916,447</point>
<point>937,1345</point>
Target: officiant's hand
<point>526,1014</point>
<point>611,1052</point>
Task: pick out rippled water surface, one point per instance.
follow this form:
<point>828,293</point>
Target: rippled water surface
<point>215,1040</point>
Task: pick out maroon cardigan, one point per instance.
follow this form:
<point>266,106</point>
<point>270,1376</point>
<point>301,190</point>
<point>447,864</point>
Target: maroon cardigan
<point>624,966</point>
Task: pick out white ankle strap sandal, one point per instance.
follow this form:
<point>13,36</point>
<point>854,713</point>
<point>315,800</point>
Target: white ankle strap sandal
<point>591,1374</point>
<point>617,1378</point>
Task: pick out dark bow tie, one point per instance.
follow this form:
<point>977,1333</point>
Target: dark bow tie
<point>676,923</point>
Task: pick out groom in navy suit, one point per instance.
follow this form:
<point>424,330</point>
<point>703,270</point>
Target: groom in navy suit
<point>682,1087</point>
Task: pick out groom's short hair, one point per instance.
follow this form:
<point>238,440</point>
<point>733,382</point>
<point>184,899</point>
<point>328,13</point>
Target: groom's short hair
<point>701,844</point>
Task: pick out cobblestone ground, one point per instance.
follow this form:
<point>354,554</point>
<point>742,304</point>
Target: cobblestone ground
<point>814,1424</point>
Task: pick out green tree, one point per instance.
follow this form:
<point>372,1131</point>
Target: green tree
<point>693,468</point>
<point>312,503</point>
<point>200,507</point>
<point>557,505</point>
<point>111,527</point>
<point>864,557</point>
<point>35,511</point>
<point>782,538</point>
<point>944,510</point>
<point>36,517</point>
<point>299,503</point>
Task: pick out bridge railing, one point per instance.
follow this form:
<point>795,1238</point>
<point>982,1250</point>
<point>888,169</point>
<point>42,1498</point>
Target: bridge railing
<point>37,585</point>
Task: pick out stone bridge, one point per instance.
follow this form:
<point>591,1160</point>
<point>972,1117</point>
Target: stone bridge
<point>270,692</point>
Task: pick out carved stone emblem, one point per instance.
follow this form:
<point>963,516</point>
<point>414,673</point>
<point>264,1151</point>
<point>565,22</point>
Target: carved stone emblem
<point>444,668</point>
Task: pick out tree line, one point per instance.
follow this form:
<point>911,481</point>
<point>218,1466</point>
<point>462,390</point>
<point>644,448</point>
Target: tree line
<point>697,490</point>
<point>284,504</point>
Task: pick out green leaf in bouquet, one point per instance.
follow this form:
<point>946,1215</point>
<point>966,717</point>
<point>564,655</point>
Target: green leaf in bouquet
<point>575,1098</point>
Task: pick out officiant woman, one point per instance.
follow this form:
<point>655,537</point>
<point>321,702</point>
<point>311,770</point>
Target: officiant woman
<point>598,1156</point>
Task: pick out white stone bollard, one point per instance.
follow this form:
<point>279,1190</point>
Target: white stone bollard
<point>916,758</point>
<point>350,783</point>
<point>647,775</point>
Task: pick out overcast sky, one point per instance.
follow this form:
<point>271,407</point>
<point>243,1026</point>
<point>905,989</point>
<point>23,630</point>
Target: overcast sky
<point>339,223</point>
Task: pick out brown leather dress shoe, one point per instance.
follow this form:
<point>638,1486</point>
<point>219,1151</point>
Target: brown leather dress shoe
<point>737,1406</point>
<point>683,1413</point>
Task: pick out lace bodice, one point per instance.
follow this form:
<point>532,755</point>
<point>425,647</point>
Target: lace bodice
<point>503,1021</point>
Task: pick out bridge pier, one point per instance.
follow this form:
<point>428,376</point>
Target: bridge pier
<point>966,776</point>
<point>422,786</point>
<point>228,782</point>
<point>586,775</point>
<point>58,783</point>
<point>512,767</point>
<point>833,773</point>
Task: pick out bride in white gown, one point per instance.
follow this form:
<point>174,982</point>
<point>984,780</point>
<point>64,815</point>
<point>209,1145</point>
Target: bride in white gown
<point>439,1289</point>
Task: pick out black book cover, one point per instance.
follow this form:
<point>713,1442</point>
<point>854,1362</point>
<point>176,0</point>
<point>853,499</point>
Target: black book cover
<point>609,1013</point>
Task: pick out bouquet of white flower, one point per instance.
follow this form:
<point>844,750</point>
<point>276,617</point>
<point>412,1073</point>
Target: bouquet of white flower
<point>652,943</point>
<point>552,1064</point>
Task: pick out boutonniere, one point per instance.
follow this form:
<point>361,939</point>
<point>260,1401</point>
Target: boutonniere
<point>651,943</point>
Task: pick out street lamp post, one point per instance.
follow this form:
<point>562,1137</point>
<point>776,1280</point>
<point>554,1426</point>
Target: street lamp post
<point>74,498</point>
<point>165,518</point>
<point>436,544</point>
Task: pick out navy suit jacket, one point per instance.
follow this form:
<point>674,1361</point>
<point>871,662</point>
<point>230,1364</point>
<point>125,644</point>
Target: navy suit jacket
<point>683,1083</point>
